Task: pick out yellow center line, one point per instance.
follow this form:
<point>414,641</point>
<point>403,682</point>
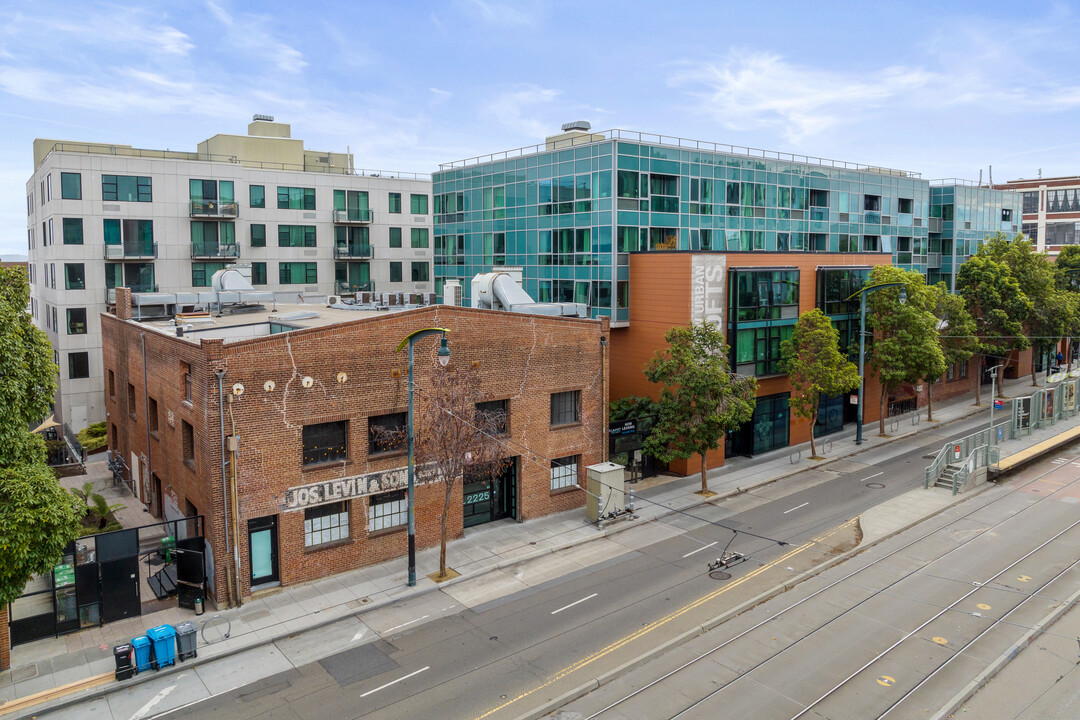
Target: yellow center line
<point>1054,483</point>
<point>589,659</point>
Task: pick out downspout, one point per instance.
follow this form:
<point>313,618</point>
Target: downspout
<point>224,477</point>
<point>146,422</point>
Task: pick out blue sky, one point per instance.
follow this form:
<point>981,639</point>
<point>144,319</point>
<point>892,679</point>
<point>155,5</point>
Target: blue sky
<point>945,89</point>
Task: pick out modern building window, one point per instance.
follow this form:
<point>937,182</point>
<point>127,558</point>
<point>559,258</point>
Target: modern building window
<point>298,273</point>
<point>208,196</point>
<point>395,237</point>
<point>872,203</point>
<point>871,243</point>
<point>835,285</point>
<point>565,407</point>
<point>757,350</point>
<point>419,272</point>
<point>257,196</point>
<point>126,188</point>
<point>71,186</point>
<point>493,411</point>
<point>74,276</point>
<point>292,198</point>
<point>904,205</point>
<point>395,272</point>
<point>78,365</point>
<point>418,204</point>
<point>564,472</point>
<point>296,236</point>
<point>131,400</point>
<point>258,235</point>
<point>258,273</point>
<point>152,415</point>
<point>385,431</point>
<point>73,231</point>
<point>395,203</point>
<point>354,203</point>
<point>325,442</point>
<point>76,321</point>
<point>203,272</point>
<point>211,238</point>
<point>136,236</point>
<point>1006,215</point>
<point>765,295</point>
<point>1031,202</point>
<point>187,435</point>
<point>387,510</point>
<point>326,523</point>
<point>419,237</point>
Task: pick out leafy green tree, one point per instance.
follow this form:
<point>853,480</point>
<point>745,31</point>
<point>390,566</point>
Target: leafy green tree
<point>37,517</point>
<point>632,406</point>
<point>905,347</point>
<point>956,330</point>
<point>999,307</point>
<point>1067,268</point>
<point>813,362</point>
<point>700,399</point>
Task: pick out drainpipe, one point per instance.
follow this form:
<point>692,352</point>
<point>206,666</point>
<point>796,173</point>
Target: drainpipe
<point>146,419</point>
<point>224,475</point>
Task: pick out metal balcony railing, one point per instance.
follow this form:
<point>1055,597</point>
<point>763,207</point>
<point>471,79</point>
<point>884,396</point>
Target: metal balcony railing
<point>353,215</point>
<point>213,208</point>
<point>131,251</point>
<point>353,250</point>
<point>215,252</point>
<point>344,288</point>
<point>110,293</point>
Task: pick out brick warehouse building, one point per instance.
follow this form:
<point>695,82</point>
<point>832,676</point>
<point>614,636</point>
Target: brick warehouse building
<point>285,393</point>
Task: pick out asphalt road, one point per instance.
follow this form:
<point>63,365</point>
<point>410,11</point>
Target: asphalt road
<point>474,657</point>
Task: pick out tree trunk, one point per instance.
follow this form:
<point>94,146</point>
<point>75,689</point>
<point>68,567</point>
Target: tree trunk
<point>1001,378</point>
<point>813,422</point>
<point>977,379</point>
<point>929,402</point>
<point>704,477</point>
<point>1034,380</point>
<point>881,412</point>
<point>442,546</point>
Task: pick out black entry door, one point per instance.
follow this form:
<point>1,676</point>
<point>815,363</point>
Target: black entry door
<point>120,589</point>
<point>506,492</point>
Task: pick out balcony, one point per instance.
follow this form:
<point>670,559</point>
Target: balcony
<point>214,251</point>
<point>353,251</point>
<point>213,208</point>
<point>110,293</point>
<point>935,225</point>
<point>353,216</point>
<point>933,260</point>
<point>344,288</point>
<point>132,251</point>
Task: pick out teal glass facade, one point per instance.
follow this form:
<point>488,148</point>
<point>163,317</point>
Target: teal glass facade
<point>962,215</point>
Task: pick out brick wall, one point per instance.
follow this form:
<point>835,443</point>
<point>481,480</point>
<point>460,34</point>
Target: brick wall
<point>5,639</point>
<point>519,358</point>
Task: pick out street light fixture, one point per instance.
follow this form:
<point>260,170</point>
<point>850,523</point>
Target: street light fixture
<point>862,342</point>
<point>443,356</point>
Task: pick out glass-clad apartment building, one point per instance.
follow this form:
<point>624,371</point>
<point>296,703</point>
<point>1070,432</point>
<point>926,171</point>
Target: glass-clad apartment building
<point>570,212</point>
<point>962,215</point>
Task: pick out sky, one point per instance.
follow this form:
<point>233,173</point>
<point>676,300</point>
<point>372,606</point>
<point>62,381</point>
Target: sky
<point>943,89</point>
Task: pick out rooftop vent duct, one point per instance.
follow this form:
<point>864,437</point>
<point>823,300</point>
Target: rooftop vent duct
<point>577,125</point>
<point>499,290</point>
<point>265,118</point>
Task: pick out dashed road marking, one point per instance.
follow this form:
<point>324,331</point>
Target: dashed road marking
<point>941,641</point>
<point>1024,578</point>
<point>983,606</point>
<point>886,681</point>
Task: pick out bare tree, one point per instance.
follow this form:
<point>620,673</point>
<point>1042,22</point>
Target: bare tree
<point>452,438</point>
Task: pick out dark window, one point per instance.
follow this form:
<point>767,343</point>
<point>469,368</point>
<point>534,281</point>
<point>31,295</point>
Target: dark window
<point>385,432</point>
<point>74,276</point>
<point>387,510</point>
<point>78,365</point>
<point>76,321</point>
<point>418,204</point>
<point>904,205</point>
<point>395,202</point>
<point>493,411</point>
<point>871,243</point>
<point>1006,215</point>
<point>152,415</point>
<point>419,272</point>
<point>395,237</point>
<point>564,472</point>
<point>326,523</point>
<point>290,198</point>
<point>564,407</point>
<point>131,400</point>
<point>187,433</point>
<point>418,237</point>
<point>258,273</point>
<point>258,235</point>
<point>185,370</point>
<point>872,203</point>
<point>298,273</point>
<point>836,285</point>
<point>112,384</point>
<point>73,231</point>
<point>325,442</point>
<point>1031,202</point>
<point>71,186</point>
<point>296,236</point>
<point>395,272</point>
<point>257,196</point>
<point>127,188</point>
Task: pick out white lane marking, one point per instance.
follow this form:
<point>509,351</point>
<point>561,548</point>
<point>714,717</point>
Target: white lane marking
<point>872,476</point>
<point>358,635</point>
<point>796,508</point>
<point>700,549</point>
<point>398,627</point>
<point>142,712</point>
<point>395,682</point>
<point>576,602</point>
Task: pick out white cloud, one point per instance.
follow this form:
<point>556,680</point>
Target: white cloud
<point>502,14</point>
<point>120,28</point>
<point>439,96</point>
<point>517,109</point>
<point>251,33</point>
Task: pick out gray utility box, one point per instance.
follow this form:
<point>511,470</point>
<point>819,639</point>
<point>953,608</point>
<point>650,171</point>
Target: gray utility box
<point>185,641</point>
<point>605,482</point>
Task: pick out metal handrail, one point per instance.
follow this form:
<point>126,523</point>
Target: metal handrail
<point>940,182</point>
<point>131,251</point>
<point>967,443</point>
<point>354,215</point>
<point>353,251</point>
<point>982,456</point>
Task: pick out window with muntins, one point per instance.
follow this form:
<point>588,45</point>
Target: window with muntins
<point>126,188</point>
<point>326,523</point>
<point>395,203</point>
<point>419,272</point>
<point>384,432</point>
<point>387,510</point>
<point>564,472</point>
<point>764,295</point>
<point>495,412</point>
<point>298,273</point>
<point>419,237</point>
<point>296,236</point>
<point>325,442</point>
<point>564,407</point>
<point>418,204</point>
<point>291,198</point>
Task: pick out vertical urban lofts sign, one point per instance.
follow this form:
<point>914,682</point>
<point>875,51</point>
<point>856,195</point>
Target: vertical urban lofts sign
<point>708,274</point>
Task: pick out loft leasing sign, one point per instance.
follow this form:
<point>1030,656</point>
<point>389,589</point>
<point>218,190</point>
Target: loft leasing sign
<point>302,496</point>
<point>707,288</point>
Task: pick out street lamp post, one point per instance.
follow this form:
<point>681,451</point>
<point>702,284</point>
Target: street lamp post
<point>444,358</point>
<point>993,396</point>
<point>862,343</point>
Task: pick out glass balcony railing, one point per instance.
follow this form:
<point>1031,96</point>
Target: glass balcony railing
<point>215,251</point>
<point>344,288</point>
<point>110,293</point>
<point>213,208</point>
<point>353,250</point>
<point>131,251</point>
<point>352,215</point>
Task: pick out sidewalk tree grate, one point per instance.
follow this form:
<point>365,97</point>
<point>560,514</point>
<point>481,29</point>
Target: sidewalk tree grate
<point>875,486</point>
<point>720,575</point>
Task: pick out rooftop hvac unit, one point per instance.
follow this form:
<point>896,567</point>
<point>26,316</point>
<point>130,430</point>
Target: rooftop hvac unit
<point>332,300</point>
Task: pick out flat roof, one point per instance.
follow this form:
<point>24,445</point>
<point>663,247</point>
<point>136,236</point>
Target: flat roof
<point>256,322</point>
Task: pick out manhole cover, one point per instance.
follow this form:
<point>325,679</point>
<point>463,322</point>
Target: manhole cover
<point>876,486</point>
<point>720,575</point>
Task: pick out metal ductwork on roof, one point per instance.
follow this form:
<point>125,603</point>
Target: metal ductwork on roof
<point>229,288</point>
<point>501,290</point>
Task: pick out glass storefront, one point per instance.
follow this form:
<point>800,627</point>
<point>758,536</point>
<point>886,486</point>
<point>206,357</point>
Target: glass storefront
<point>768,430</point>
<point>488,499</point>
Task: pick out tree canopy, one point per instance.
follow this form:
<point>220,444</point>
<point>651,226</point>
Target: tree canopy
<point>956,330</point>
<point>700,399</point>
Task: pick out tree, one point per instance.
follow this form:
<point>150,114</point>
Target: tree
<point>38,518</point>
<point>956,330</point>
<point>815,366</point>
<point>700,399</point>
<point>905,347</point>
<point>452,439</point>
<point>999,307</point>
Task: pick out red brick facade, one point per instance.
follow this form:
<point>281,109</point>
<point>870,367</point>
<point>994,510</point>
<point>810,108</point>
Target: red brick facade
<point>520,358</point>
<point>5,640</point>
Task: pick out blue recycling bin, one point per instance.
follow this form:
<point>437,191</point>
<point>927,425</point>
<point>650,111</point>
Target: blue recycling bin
<point>143,655</point>
<point>164,639</point>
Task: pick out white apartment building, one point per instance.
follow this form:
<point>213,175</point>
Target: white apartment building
<point>1051,211</point>
<point>307,223</point>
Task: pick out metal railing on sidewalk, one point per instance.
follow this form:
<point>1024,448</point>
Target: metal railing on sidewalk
<point>959,450</point>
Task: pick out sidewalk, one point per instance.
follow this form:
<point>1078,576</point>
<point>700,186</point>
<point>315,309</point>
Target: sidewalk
<point>86,656</point>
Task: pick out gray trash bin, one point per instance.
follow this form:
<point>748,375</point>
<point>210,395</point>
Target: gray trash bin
<point>185,641</point>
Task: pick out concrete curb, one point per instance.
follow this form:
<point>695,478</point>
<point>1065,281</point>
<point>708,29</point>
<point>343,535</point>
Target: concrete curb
<point>601,534</point>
